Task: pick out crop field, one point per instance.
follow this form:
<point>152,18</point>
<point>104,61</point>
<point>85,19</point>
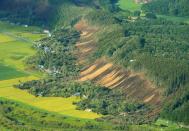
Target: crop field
<point>5,38</point>
<point>10,73</point>
<point>59,105</point>
<point>13,53</point>
<point>15,46</point>
<point>129,5</point>
<point>11,27</point>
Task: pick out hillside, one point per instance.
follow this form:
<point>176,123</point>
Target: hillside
<point>168,7</point>
<point>104,65</point>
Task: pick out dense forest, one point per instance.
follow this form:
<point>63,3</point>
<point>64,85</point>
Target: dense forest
<point>157,47</point>
<point>168,7</point>
<point>34,12</point>
<point>148,44</point>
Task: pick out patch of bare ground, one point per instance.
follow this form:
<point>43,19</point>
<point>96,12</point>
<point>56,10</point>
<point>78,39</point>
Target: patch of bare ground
<point>107,74</point>
<point>86,44</point>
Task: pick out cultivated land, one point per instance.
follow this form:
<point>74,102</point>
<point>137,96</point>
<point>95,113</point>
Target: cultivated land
<point>132,6</point>
<point>15,47</point>
<point>129,5</point>
<point>10,73</point>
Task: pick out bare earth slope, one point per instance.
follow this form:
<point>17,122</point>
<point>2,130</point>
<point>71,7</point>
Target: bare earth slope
<point>107,74</point>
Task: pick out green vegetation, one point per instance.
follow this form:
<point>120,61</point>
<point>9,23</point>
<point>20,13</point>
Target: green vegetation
<point>175,18</point>
<point>95,98</point>
<point>10,73</point>
<point>151,45</point>
<point>16,44</point>
<point>29,11</point>
<point>14,53</point>
<point>19,116</point>
<point>130,5</point>
<point>157,47</point>
<point>168,7</point>
<point>5,38</point>
<point>160,124</point>
<point>54,54</point>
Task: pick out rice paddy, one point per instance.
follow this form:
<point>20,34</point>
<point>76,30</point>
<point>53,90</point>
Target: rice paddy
<point>10,73</point>
<point>15,46</point>
<point>5,38</point>
<point>59,105</point>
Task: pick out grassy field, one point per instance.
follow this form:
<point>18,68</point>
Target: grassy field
<point>15,46</point>
<point>31,118</point>
<point>5,26</point>
<point>13,53</point>
<point>10,73</point>
<point>160,125</point>
<point>62,106</point>
<point>5,38</point>
<point>132,6</point>
<point>129,5</point>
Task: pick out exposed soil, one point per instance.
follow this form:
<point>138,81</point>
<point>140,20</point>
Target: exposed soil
<point>109,75</point>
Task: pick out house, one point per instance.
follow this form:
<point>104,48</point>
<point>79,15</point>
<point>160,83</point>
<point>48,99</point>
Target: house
<point>132,60</point>
<point>47,32</point>
<point>88,110</point>
<point>26,26</point>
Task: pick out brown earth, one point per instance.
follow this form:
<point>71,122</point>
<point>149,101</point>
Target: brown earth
<point>107,74</point>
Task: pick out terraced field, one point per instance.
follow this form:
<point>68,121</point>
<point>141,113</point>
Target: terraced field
<point>105,73</point>
<point>15,47</point>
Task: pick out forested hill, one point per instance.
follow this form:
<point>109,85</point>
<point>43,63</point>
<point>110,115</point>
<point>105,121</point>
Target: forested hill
<point>42,12</point>
<point>168,7</point>
<point>28,11</point>
<point>136,67</point>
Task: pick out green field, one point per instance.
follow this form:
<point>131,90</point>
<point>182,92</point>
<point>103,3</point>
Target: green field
<point>15,52</point>
<point>132,6</point>
<point>129,5</point>
<point>160,125</point>
<point>15,46</point>
<point>23,117</point>
<point>62,106</point>
<point>5,38</point>
<point>7,27</point>
<point>10,73</point>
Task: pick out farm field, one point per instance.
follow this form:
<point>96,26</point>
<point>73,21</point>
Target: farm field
<point>132,6</point>
<point>62,106</point>
<point>129,5</point>
<point>10,73</point>
<point>15,47</point>
<point>13,53</point>
<point>5,38</point>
